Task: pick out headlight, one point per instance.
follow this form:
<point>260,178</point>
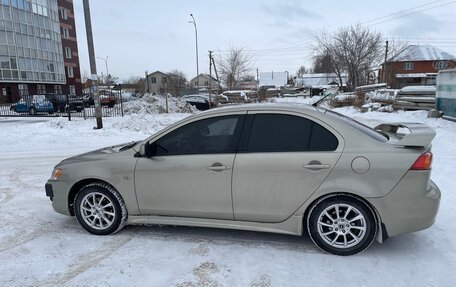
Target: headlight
<point>56,174</point>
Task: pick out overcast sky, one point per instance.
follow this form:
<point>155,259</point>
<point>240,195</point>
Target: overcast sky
<point>154,35</point>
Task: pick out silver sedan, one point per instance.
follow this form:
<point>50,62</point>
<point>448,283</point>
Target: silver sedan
<point>272,168</point>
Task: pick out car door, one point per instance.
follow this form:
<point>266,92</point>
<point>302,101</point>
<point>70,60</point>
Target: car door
<point>282,160</point>
<point>189,172</point>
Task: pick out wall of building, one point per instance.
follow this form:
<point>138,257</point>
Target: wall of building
<point>69,40</point>
<point>395,68</point>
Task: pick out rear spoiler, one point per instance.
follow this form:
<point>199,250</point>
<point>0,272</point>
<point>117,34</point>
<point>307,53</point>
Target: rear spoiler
<point>420,134</point>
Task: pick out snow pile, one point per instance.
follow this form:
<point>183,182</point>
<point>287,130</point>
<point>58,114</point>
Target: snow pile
<point>145,123</point>
<point>152,104</point>
<point>382,95</point>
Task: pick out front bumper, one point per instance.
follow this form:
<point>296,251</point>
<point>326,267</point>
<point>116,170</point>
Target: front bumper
<point>411,206</point>
<point>58,192</point>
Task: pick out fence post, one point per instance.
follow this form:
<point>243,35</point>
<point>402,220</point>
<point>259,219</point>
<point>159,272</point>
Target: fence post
<point>121,106</point>
<point>68,107</point>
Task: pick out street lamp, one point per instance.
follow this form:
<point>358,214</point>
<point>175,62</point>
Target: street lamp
<point>196,41</point>
<point>106,63</point>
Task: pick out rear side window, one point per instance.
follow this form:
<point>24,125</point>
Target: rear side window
<point>287,133</point>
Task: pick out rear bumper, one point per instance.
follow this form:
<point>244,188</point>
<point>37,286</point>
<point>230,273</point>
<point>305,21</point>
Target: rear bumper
<point>411,206</point>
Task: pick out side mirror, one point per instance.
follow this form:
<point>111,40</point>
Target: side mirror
<point>147,150</point>
<point>143,150</point>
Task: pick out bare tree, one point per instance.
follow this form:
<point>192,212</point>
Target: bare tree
<point>395,48</point>
<point>353,50</point>
<point>301,71</point>
<point>177,82</point>
<point>323,64</point>
<point>234,66</point>
<point>138,83</point>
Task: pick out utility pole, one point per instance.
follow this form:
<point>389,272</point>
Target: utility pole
<point>385,77</point>
<point>93,66</point>
<point>210,79</point>
<point>147,81</point>
<point>196,41</point>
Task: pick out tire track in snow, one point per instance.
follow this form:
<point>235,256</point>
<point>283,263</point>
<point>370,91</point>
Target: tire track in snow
<point>5,195</point>
<point>22,236</point>
<point>87,261</point>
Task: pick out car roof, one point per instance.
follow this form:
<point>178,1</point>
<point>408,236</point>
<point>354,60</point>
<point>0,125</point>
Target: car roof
<point>293,107</point>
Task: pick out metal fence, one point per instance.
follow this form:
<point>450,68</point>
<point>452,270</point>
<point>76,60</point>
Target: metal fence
<point>63,106</point>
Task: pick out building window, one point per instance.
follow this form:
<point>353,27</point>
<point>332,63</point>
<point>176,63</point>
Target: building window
<point>439,65</point>
<point>206,83</point>
<point>23,90</point>
<point>41,89</point>
<point>58,90</point>
<point>63,13</point>
<point>164,80</point>
<point>408,66</point>
<point>72,90</point>
<point>70,72</point>
<point>65,33</point>
<point>196,83</point>
<point>153,80</point>
<point>68,52</point>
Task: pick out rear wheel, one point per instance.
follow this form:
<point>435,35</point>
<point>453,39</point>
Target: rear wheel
<point>100,209</point>
<point>342,225</point>
<point>32,111</point>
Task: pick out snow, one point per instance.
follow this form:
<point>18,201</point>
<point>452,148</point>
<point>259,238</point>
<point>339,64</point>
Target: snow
<point>152,104</point>
<point>418,89</point>
<point>39,247</point>
<point>421,53</point>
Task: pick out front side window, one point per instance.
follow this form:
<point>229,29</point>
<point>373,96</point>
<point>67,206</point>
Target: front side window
<point>209,136</point>
<point>153,80</point>
<point>288,133</point>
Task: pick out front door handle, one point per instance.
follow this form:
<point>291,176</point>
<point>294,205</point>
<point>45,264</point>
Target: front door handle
<point>316,166</point>
<point>218,167</point>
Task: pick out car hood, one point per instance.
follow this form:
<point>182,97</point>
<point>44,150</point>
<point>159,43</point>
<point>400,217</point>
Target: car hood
<point>98,154</point>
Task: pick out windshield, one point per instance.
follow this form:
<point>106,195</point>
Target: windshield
<point>359,126</point>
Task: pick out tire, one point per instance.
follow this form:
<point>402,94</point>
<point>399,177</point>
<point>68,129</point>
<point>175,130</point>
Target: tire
<point>51,112</point>
<point>89,211</point>
<point>32,111</point>
<point>343,234</point>
<point>111,104</point>
<point>87,104</point>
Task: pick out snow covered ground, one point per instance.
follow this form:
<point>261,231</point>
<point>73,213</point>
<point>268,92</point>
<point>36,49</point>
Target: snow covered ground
<point>39,247</point>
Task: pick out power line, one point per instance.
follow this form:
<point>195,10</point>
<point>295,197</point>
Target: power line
<point>412,13</point>
<point>401,11</point>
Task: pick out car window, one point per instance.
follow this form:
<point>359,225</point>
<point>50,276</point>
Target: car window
<point>214,135</point>
<point>288,133</point>
<point>359,126</point>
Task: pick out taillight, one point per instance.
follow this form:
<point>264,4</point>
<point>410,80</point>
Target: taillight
<point>424,162</point>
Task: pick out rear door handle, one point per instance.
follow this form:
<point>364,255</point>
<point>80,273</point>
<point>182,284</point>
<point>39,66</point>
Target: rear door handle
<point>316,166</point>
<point>218,167</point>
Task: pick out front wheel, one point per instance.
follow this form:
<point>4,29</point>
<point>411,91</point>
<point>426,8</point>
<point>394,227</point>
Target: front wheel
<point>100,209</point>
<point>341,225</point>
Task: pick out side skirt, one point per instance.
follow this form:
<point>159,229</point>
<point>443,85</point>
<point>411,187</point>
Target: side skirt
<point>292,226</point>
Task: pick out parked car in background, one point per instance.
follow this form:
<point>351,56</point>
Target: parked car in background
<point>275,168</point>
<point>88,100</point>
<point>200,101</point>
<point>108,100</point>
<point>33,105</point>
<point>65,103</point>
